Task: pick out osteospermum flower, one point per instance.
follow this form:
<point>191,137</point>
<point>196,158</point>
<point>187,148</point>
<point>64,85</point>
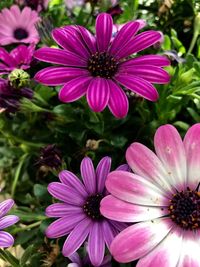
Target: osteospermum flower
<point>163,197</point>
<point>79,214</point>
<point>100,67</point>
<point>19,58</point>
<point>6,239</point>
<point>18,26</point>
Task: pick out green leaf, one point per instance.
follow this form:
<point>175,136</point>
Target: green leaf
<point>27,254</point>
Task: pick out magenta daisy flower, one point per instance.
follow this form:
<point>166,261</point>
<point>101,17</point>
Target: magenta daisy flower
<point>163,197</point>
<point>18,26</point>
<point>100,66</point>
<point>79,214</point>
<point>19,58</point>
<point>6,239</point>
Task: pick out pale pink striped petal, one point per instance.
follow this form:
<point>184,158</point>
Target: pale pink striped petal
<point>115,209</point>
<point>166,254</point>
<point>88,175</point>
<point>146,164</point>
<point>6,239</point>
<point>76,237</point>
<point>169,148</point>
<point>118,102</point>
<point>58,56</point>
<point>64,225</point>
<point>192,148</point>
<point>8,220</point>
<point>5,206</point>
<point>139,239</point>
<point>62,210</point>
<point>104,24</point>
<point>65,193</point>
<point>138,86</point>
<point>152,74</point>
<point>154,60</point>
<point>74,89</point>
<point>98,94</point>
<point>102,171</point>
<point>190,256</point>
<point>59,75</point>
<point>139,43</point>
<point>71,180</point>
<point>96,244</point>
<point>134,189</point>
<point>123,36</point>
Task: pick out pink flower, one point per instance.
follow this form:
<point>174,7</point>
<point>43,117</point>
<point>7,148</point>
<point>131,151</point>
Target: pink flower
<point>19,58</point>
<point>18,26</point>
<point>163,197</point>
<point>100,67</point>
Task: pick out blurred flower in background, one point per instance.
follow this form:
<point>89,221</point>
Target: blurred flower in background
<point>18,26</point>
<point>38,5</point>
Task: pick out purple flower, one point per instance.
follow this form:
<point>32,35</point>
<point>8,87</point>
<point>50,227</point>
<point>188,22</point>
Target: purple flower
<point>99,66</point>
<point>50,156</point>
<point>85,262</point>
<point>38,5</point>
<point>79,214</point>
<point>10,97</point>
<point>6,239</point>
<point>19,58</point>
<point>18,26</point>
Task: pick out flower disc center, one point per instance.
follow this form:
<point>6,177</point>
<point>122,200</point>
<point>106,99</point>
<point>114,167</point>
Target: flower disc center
<point>20,34</point>
<point>184,209</point>
<point>92,206</point>
<point>102,65</point>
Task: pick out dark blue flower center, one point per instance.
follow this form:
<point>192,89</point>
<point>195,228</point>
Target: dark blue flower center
<point>20,34</point>
<point>92,206</point>
<point>184,209</point>
<point>102,65</point>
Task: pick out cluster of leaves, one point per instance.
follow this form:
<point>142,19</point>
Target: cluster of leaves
<point>77,131</point>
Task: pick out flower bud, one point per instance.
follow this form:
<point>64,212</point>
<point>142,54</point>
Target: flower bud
<point>19,78</point>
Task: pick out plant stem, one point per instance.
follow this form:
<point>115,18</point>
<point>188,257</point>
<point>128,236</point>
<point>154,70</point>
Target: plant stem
<point>8,257</point>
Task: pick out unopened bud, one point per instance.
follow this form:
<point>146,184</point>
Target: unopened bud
<point>19,78</point>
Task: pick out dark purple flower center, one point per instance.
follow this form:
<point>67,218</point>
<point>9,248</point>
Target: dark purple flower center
<point>20,34</point>
<point>102,65</point>
<point>184,209</point>
<point>92,206</point>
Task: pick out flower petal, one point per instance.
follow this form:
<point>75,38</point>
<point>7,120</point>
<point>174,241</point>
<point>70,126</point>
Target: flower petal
<point>58,56</point>
<point>74,89</point>
<point>70,38</point>
<point>152,74</point>
<point>118,102</point>
<point>102,172</point>
<point>88,38</point>
<point>123,36</point>
<point>96,244</point>
<point>71,180</point>
<point>166,254</point>
<point>134,189</point>
<point>169,148</point>
<point>139,239</point>
<point>88,175</point>
<point>98,94</point>
<point>5,206</point>
<point>76,237</point>
<point>139,43</point>
<point>59,75</point>
<point>154,60</point>
<point>115,209</point>
<point>65,193</point>
<point>109,232</point>
<point>190,256</point>
<point>64,226</point>
<point>138,85</point>
<point>8,220</point>
<point>146,164</point>
<point>62,210</point>
<point>104,24</point>
<point>6,239</point>
<point>192,148</point>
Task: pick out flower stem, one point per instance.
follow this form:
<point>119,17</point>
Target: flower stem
<point>8,257</point>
